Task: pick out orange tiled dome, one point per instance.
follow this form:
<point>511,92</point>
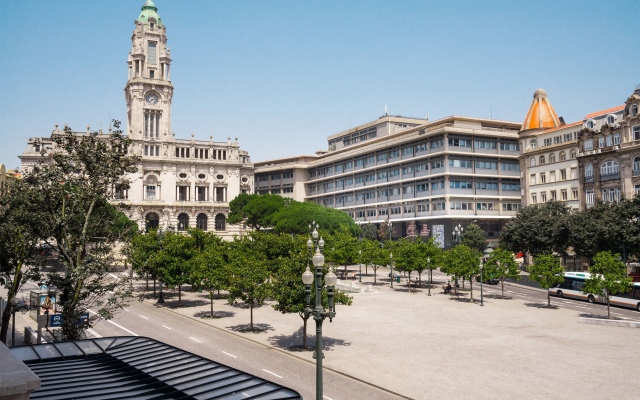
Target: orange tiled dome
<point>541,114</point>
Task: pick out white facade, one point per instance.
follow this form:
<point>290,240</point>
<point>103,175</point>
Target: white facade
<point>180,183</point>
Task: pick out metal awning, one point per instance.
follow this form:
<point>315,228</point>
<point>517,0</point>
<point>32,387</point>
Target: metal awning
<point>133,367</point>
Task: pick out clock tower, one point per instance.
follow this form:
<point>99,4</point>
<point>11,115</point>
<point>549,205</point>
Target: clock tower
<point>149,91</point>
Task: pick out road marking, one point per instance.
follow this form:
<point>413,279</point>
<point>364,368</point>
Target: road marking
<point>196,340</point>
<point>113,323</point>
<point>230,355</point>
<point>94,333</point>
<point>166,327</point>
<point>272,373</point>
<point>143,316</point>
<point>329,398</point>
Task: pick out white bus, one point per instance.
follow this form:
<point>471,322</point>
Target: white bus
<point>574,283</point>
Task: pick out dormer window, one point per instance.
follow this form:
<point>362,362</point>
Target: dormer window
<point>590,124</point>
<point>611,119</point>
<point>633,110</point>
<point>151,25</point>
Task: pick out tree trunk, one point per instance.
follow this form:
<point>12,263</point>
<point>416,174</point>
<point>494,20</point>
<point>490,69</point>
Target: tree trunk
<point>6,317</point>
<point>420,279</point>
<point>154,286</point>
<point>503,289</point>
<point>366,269</point>
<point>548,299</point>
<point>179,295</point>
<point>146,288</point>
<point>471,286</point>
<point>608,309</point>
<point>211,298</point>
<point>304,332</point>
<point>409,282</point>
<point>251,310</point>
<point>375,275</point>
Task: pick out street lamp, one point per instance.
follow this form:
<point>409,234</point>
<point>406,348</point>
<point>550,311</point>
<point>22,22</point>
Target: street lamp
<point>360,265</point>
<point>391,265</point>
<point>457,234</point>
<point>481,280</point>
<point>429,272</point>
<point>318,312</point>
<point>389,228</point>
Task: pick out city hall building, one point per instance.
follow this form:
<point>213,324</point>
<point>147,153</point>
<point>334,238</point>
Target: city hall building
<point>180,183</point>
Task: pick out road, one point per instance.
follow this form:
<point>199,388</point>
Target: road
<point>146,319</point>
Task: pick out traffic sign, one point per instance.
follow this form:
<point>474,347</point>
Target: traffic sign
<point>55,320</point>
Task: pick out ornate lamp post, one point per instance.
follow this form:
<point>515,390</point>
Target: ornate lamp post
<point>457,234</point>
<point>391,265</point>
<point>429,271</point>
<point>318,312</point>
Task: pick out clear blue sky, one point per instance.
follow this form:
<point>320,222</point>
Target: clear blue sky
<point>283,75</point>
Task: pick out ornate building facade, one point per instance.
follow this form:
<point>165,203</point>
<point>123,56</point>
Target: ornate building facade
<point>180,183</point>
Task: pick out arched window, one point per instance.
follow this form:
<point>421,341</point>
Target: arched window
<point>542,161</point>
<point>220,222</point>
<point>636,164</point>
<point>573,154</point>
<point>201,222</point>
<point>152,221</point>
<point>183,222</point>
<point>532,162</point>
<point>609,168</point>
<point>533,143</point>
<point>552,157</point>
<point>588,171</point>
<point>563,156</point>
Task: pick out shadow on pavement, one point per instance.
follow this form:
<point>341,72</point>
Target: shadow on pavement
<point>497,296</point>
<point>216,314</point>
<point>257,328</point>
<point>293,342</point>
<point>597,316</point>
<point>173,302</point>
<point>541,305</point>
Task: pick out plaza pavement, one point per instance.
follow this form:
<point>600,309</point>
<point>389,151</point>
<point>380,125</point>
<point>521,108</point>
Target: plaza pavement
<point>424,347</point>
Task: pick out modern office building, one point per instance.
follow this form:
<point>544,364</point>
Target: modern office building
<point>180,183</point>
<point>424,177</point>
<point>609,153</point>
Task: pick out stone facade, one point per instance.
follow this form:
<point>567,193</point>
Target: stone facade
<point>180,183</point>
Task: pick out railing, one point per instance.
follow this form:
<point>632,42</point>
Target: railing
<point>609,177</point>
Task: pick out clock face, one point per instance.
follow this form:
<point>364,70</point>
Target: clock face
<point>151,99</point>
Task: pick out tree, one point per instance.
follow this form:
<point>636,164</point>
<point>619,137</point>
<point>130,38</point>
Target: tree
<point>501,266</point>
<point>210,270</point>
<point>369,231</point>
<point>72,186</point>
<point>341,248</point>
<point>176,259</point>
<point>411,256</point>
<point>373,255</point>
<point>249,281</point>
<point>20,255</point>
<point>462,262</point>
<point>296,217</point>
<point>256,210</point>
<point>537,229</point>
<point>288,289</point>
<point>547,272</point>
<point>608,277</point>
<point>142,253</point>
<point>474,237</point>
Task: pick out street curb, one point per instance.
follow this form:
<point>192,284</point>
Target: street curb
<point>283,352</point>
<point>609,322</point>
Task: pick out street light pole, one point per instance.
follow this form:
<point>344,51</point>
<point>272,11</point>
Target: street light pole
<point>481,280</point>
<point>318,312</point>
<point>391,265</point>
<point>429,271</point>
<point>360,265</point>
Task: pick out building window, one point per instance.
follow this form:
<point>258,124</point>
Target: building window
<point>201,193</point>
<point>543,177</point>
<point>507,166</point>
<point>554,195</point>
<point>636,132</point>
<point>183,193</point>
<point>460,142</point>
<point>183,222</point>
<point>588,171</point>
<point>152,221</point>
<point>616,139</point>
<point>589,197</point>
<point>574,173</point>
<point>574,194</point>
<point>636,164</point>
<point>543,197</point>
<point>425,207</point>
<point>552,176</point>
<point>563,156</point>
<point>201,222</point>
<point>552,157</point>
<point>220,222</point>
<point>151,192</point>
<point>563,174</point>
<point>532,162</point>
<point>609,168</point>
<point>534,198</point>
<point>542,161</point>
<point>608,140</point>
<point>636,189</point>
<point>563,194</point>
<point>588,145</point>
<point>601,141</point>
<point>533,143</point>
<point>152,53</point>
<point>633,110</point>
<point>532,179</point>
<point>573,154</point>
<point>460,163</point>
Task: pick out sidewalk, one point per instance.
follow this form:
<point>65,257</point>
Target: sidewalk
<point>425,347</point>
